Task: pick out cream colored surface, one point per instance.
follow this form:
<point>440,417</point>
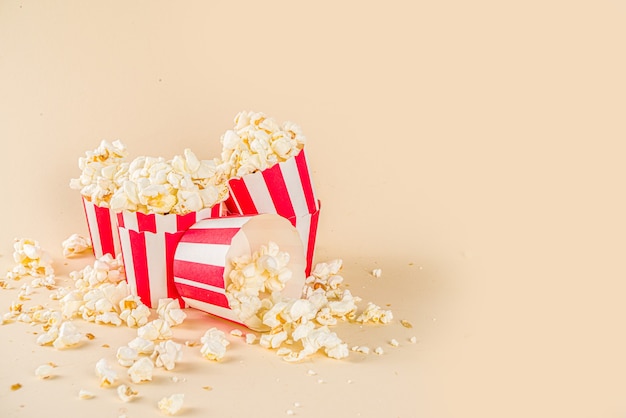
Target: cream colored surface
<point>472,150</point>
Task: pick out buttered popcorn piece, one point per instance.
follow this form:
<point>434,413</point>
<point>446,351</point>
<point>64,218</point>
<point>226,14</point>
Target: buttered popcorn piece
<point>171,405</point>
<point>133,311</point>
<point>166,354</point>
<point>126,393</point>
<point>257,142</point>
<point>214,344</point>
<point>105,372</point>
<point>102,172</point>
<point>169,310</point>
<point>374,313</point>
<point>377,273</point>
<point>141,370</point>
<point>75,244</point>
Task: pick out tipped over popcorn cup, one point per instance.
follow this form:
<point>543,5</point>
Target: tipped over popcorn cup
<point>227,266</point>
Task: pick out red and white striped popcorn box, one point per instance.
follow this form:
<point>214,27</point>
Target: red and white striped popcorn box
<point>285,189</point>
<point>202,259</point>
<point>148,243</point>
<point>102,225</point>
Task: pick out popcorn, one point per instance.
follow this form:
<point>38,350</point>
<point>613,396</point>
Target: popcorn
<point>142,346</point>
<point>273,340</point>
<point>169,310</point>
<point>126,356</point>
<point>141,370</point>
<point>75,244</point>
<point>167,353</point>
<point>126,393</point>
<point>31,260</point>
<point>257,142</point>
<point>155,330</point>
<point>45,371</point>
<point>374,313</point>
<point>413,340</point>
<point>85,394</point>
<point>102,172</point>
<point>394,343</point>
<point>171,405</point>
<point>107,375</point>
<point>182,185</point>
<point>68,336</point>
<point>377,273</point>
<point>134,312</point>
<point>250,338</point>
<point>214,344</point>
<point>236,332</point>
<point>379,351</point>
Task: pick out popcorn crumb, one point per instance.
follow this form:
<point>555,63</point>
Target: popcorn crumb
<point>379,351</point>
<point>44,371</point>
<point>171,405</point>
<point>413,340</point>
<point>16,386</point>
<point>290,412</point>
<point>406,323</point>
<point>321,381</point>
<point>126,393</point>
<point>297,404</point>
<point>207,387</point>
<point>85,394</point>
<point>250,338</point>
<point>362,349</point>
<point>236,332</point>
<point>377,273</point>
<point>393,342</point>
<point>311,372</point>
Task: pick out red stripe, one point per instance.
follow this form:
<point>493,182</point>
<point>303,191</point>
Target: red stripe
<point>216,210</point>
<point>278,191</point>
<point>103,218</point>
<point>305,179</point>
<point>184,222</point>
<point>239,192</point>
<point>200,273</point>
<point>221,236</point>
<point>140,263</point>
<point>231,206</point>
<point>146,222</point>
<point>203,295</point>
<point>120,220</point>
<point>310,248</point>
<point>171,242</point>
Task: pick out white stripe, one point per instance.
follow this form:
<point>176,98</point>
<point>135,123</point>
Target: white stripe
<point>303,225</point>
<point>317,204</point>
<point>224,222</point>
<point>211,254</point>
<point>225,313</point>
<point>92,223</point>
<point>130,220</point>
<point>199,285</point>
<point>157,268</point>
<point>259,193</point>
<point>166,223</point>
<point>129,266</point>
<point>294,186</point>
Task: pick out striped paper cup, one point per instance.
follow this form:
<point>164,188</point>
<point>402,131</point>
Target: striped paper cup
<point>202,259</point>
<point>148,243</point>
<point>102,225</point>
<point>285,189</point>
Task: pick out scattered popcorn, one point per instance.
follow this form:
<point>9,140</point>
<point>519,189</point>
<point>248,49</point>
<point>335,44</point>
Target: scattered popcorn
<point>75,244</point>
<point>379,351</point>
<point>102,172</point>
<point>169,310</point>
<point>133,311</point>
<point>126,356</point>
<point>236,332</point>
<point>171,405</point>
<point>290,412</point>
<point>214,344</point>
<point>361,349</point>
<point>85,394</point>
<point>257,142</point>
<point>377,273</point>
<point>107,375</point>
<point>373,313</point>
<point>142,346</point>
<point>155,330</point>
<point>413,340</point>
<point>141,370</point>
<point>31,260</point>
<point>44,371</point>
<point>250,338</point>
<point>311,372</point>
<point>126,393</point>
<point>167,353</point>
<point>394,343</point>
<point>273,340</point>
<point>68,336</point>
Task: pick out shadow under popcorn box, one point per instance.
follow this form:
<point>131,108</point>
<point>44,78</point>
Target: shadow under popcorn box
<point>148,243</point>
<point>285,189</point>
<point>202,261</point>
<point>102,226</point>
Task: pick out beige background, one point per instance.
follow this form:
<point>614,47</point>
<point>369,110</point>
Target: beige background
<point>472,150</point>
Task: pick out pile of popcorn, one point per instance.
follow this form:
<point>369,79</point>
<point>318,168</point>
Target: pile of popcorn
<point>257,142</point>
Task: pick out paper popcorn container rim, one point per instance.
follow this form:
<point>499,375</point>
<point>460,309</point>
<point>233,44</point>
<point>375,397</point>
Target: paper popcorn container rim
<point>286,188</point>
<point>202,259</point>
<point>170,222</point>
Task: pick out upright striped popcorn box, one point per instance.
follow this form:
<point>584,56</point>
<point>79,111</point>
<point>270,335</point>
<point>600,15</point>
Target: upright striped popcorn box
<point>286,189</point>
<point>148,243</point>
<point>102,225</point>
<point>202,262</point>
